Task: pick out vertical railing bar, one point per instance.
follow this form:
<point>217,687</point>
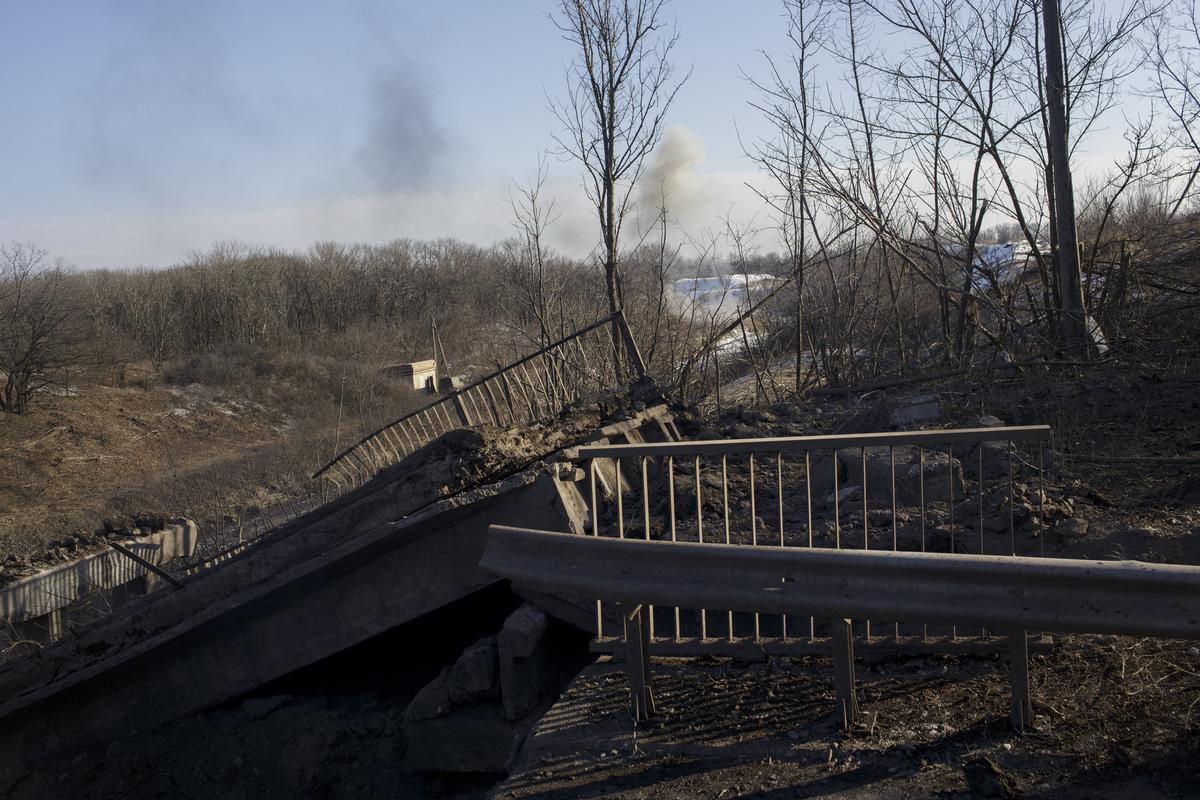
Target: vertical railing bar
<point>950,494</point>
<point>427,425</point>
<point>532,385</point>
<point>779,499</point>
<point>979,474</point>
<point>492,403</point>
<point>1012,530</point>
<point>510,396</point>
<point>556,388</point>
<point>620,482</point>
<point>536,389</point>
<point>587,367</point>
<point>837,510</point>
<point>895,536</point>
<point>432,421</point>
<point>700,534</point>
<point>408,439</point>
<point>596,532</point>
<point>753,506</point>
<point>646,523</point>
<point>479,401</point>
<point>866,526</point>
<point>552,398</point>
<point>1041,505</point>
<point>528,392</point>
<point>443,407</point>
<point>921,484</point>
<point>671,508</point>
<point>554,385</point>
<point>754,536</point>
<point>979,487</point>
<point>725,498</point>
<point>812,622</point>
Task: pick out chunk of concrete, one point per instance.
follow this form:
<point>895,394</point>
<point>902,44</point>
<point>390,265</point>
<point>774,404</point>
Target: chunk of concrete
<point>474,676</point>
<point>433,700</point>
<point>916,409</point>
<point>526,663</point>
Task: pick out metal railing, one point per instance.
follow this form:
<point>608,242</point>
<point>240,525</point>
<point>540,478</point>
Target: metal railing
<point>1010,593</point>
<point>530,389</point>
<point>977,490</point>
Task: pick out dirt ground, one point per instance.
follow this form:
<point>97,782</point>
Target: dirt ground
<point>73,462</point>
<point>1113,721</point>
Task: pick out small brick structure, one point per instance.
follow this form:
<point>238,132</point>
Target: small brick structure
<point>422,375</point>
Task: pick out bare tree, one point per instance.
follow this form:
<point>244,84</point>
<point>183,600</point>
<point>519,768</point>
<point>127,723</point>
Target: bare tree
<point>786,101</point>
<point>1174,57</point>
<point>39,325</point>
<point>536,284</point>
<point>620,86</point>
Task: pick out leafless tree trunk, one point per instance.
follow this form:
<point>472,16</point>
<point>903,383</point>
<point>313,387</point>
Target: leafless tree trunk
<point>1074,318</point>
<point>619,89</point>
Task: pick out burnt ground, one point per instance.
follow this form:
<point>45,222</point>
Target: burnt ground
<point>1115,717</point>
<point>1114,720</point>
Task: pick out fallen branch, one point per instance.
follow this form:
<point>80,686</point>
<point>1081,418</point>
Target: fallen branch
<point>952,373</point>
<point>1093,459</point>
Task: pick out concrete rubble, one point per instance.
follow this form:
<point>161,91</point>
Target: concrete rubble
<point>473,715</point>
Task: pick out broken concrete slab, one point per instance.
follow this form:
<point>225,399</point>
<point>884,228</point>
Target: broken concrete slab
<point>475,675</point>
<point>914,410</point>
<point>526,665</point>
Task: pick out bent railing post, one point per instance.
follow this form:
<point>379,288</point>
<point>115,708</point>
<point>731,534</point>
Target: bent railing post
<point>1021,713</point>
<point>637,661</point>
<point>846,704</point>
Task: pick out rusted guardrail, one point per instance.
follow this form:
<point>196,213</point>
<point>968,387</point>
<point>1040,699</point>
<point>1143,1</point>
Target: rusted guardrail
<point>1009,593</point>
<point>979,490</point>
<point>529,390</point>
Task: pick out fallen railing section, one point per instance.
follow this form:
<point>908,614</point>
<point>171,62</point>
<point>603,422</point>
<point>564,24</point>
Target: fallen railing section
<point>35,606</point>
<point>601,356</point>
<point>1014,594</point>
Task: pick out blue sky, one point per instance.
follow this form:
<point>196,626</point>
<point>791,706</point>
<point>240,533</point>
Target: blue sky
<point>137,130</point>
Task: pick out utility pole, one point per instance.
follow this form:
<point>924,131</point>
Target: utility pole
<point>1072,320</point>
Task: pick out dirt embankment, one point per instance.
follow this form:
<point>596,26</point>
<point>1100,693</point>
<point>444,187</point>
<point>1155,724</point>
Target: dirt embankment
<point>109,454</point>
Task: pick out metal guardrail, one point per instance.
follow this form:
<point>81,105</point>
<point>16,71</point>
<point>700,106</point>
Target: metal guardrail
<point>530,389</point>
<point>956,490</point>
<point>1011,593</point>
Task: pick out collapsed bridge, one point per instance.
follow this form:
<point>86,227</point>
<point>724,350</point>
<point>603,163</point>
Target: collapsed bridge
<point>546,443</point>
<point>400,537</point>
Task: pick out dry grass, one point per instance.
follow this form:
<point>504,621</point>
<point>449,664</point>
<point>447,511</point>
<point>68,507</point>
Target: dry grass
<point>229,434</point>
